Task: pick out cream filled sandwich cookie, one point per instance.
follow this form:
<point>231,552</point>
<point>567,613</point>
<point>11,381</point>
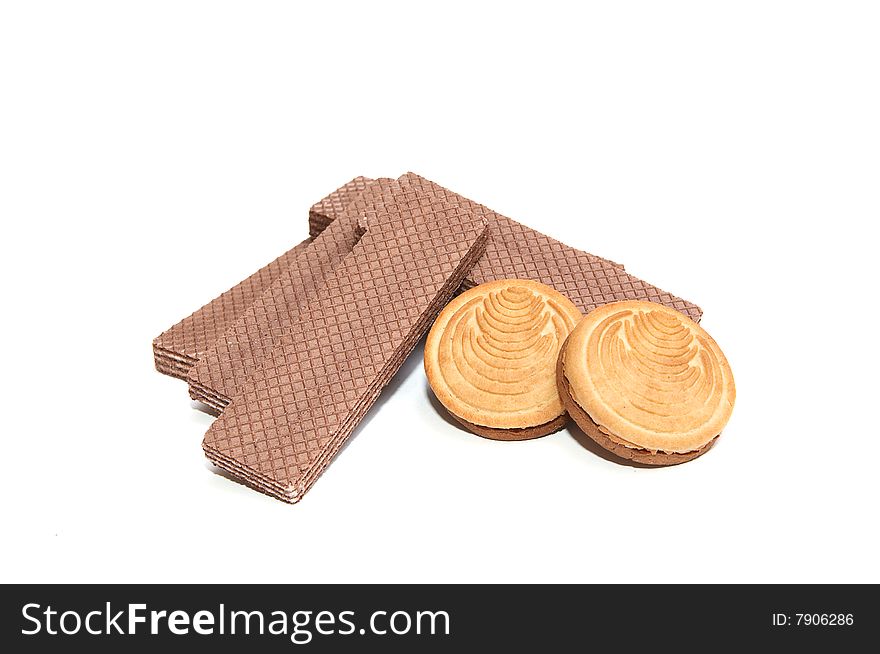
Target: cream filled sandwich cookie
<point>490,358</point>
<point>646,382</point>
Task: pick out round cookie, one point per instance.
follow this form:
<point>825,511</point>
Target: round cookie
<point>646,383</point>
<point>490,358</point>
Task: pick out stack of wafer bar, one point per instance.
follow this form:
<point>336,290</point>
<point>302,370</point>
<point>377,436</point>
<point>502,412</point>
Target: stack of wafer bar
<point>238,353</point>
<point>300,350</point>
<point>289,419</point>
<point>180,347</point>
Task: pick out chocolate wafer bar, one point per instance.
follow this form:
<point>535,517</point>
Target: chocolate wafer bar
<point>517,251</point>
<point>228,364</point>
<point>281,431</point>
<point>180,347</point>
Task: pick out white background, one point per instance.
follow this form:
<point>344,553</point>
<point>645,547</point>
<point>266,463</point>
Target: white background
<point>154,154</point>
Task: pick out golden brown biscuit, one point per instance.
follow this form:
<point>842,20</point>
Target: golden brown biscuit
<point>646,382</point>
<point>491,358</point>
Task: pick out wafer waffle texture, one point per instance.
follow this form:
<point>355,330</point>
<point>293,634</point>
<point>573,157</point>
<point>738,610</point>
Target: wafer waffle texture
<point>237,354</point>
<point>282,430</point>
<point>517,251</point>
<point>179,348</point>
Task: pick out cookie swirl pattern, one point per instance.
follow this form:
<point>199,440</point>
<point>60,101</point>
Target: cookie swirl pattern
<point>491,355</point>
<point>649,377</point>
